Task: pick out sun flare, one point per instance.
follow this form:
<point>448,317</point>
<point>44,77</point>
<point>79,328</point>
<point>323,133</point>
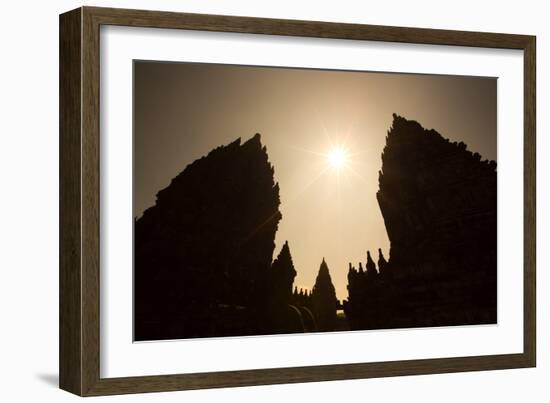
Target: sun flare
<point>337,158</point>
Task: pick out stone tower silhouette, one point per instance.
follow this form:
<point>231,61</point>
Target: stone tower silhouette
<point>439,204</point>
<point>282,276</point>
<point>203,252</point>
<point>323,299</point>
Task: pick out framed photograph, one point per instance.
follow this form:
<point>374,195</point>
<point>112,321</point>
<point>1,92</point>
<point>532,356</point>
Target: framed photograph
<point>249,201</point>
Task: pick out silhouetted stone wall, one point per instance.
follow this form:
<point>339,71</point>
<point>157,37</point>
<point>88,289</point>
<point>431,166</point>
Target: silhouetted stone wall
<point>439,204</point>
<point>203,252</point>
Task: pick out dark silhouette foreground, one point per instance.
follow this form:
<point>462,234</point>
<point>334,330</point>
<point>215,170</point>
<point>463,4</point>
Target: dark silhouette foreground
<point>203,252</point>
<point>439,203</point>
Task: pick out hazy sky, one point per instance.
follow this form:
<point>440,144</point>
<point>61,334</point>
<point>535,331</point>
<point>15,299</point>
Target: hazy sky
<point>182,111</point>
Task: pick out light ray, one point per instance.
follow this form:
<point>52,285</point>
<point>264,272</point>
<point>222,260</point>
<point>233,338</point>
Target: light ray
<point>307,151</point>
<point>358,174</point>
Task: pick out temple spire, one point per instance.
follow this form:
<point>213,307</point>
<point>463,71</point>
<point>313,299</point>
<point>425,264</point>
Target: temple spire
<point>324,299</point>
<point>282,275</point>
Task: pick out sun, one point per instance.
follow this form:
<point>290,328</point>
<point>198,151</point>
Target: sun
<point>337,158</point>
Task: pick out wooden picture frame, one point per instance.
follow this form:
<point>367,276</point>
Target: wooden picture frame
<point>79,201</point>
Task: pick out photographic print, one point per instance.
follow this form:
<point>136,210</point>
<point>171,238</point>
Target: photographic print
<point>272,200</point>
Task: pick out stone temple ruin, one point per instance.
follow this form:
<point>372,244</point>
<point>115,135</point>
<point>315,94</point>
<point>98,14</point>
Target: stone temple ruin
<point>203,253</point>
<point>439,204</point>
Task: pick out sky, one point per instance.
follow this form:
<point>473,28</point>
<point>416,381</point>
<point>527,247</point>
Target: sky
<point>324,131</point>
